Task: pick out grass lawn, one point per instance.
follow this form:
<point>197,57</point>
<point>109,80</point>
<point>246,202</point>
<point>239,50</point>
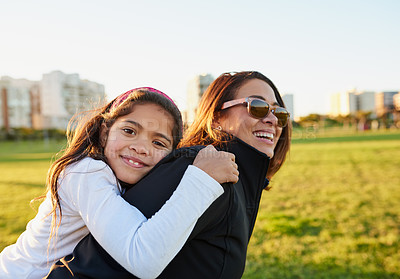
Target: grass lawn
<point>23,167</point>
<point>333,211</point>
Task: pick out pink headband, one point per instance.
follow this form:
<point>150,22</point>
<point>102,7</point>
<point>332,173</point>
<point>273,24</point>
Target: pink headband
<point>125,96</point>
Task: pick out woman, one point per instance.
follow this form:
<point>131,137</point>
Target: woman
<point>242,113</point>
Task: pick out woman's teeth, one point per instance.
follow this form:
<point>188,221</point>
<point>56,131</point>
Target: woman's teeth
<point>264,135</point>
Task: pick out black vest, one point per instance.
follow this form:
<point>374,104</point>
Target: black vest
<point>217,245</point>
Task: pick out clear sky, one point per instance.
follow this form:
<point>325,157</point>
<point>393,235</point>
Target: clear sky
<point>309,48</point>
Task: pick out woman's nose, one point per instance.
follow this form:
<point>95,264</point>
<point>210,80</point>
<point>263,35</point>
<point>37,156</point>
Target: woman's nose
<point>270,118</point>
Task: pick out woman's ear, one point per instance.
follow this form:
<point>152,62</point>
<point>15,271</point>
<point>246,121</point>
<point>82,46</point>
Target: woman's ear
<point>103,134</point>
<point>216,124</point>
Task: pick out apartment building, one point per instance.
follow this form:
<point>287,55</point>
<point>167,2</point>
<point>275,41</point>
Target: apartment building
<point>396,101</point>
<point>48,103</point>
<point>384,102</point>
<point>16,105</point>
<point>63,95</point>
<point>366,101</point>
<point>351,102</point>
<point>288,100</point>
<point>196,88</point>
<point>343,103</point>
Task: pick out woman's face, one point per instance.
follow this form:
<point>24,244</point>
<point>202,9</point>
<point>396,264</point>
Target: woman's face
<point>262,134</point>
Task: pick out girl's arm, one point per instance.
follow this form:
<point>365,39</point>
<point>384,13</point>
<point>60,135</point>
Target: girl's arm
<point>144,247</point>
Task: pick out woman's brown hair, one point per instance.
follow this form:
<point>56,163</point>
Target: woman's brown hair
<point>83,135</point>
<point>221,90</point>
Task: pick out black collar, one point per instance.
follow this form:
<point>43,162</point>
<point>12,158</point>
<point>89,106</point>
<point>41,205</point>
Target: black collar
<point>252,162</point>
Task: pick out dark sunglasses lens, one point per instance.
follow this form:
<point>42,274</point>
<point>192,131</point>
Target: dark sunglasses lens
<point>282,115</point>
<point>258,108</point>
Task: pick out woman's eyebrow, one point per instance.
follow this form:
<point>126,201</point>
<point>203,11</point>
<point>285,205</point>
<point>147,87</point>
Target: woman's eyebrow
<point>257,97</point>
<point>262,98</point>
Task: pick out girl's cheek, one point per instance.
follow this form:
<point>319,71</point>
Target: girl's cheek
<point>110,152</point>
<point>162,154</point>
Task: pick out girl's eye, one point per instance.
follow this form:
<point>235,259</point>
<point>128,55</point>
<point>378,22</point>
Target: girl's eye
<point>159,143</point>
<point>129,131</point>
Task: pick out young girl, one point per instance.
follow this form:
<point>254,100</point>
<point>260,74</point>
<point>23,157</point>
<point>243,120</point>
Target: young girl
<point>105,156</point>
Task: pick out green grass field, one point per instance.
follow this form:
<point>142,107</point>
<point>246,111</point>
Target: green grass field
<point>333,211</point>
<point>23,167</point>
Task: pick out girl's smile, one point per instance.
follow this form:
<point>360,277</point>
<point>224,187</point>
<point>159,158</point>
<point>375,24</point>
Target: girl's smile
<point>133,162</point>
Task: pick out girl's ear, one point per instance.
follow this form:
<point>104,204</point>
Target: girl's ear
<point>103,135</point>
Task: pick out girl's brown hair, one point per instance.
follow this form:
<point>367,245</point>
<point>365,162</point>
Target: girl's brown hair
<point>221,90</point>
<point>83,135</point>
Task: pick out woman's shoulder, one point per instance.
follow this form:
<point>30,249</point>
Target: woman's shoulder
<point>180,156</point>
<point>187,151</point>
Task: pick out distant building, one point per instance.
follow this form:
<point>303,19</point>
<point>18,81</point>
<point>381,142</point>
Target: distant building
<point>16,102</point>
<point>288,100</point>
<point>396,114</point>
<point>396,101</point>
<point>335,104</point>
<point>366,101</point>
<point>352,102</point>
<point>196,88</point>
<point>343,103</point>
<point>49,103</point>
<point>63,95</point>
<point>384,102</point>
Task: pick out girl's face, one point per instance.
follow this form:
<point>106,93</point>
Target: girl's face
<point>262,134</point>
<point>136,142</point>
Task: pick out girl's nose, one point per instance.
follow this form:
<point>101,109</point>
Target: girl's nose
<point>140,148</point>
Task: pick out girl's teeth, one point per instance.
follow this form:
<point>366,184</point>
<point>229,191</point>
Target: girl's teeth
<point>132,162</point>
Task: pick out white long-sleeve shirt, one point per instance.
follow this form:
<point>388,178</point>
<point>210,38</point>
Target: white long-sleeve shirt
<point>91,201</point>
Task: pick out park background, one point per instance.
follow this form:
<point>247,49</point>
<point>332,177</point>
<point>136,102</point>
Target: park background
<point>333,210</point>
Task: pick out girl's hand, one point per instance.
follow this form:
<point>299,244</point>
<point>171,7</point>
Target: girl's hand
<point>220,165</point>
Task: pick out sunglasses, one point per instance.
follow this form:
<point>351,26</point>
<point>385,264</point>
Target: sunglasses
<point>260,109</point>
